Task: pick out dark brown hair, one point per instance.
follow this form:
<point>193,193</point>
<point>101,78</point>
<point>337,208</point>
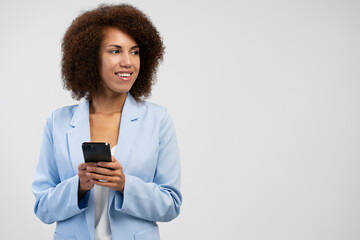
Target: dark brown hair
<point>81,45</point>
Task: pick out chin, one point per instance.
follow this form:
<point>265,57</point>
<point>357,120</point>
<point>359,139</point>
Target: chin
<point>117,88</point>
<point>122,90</point>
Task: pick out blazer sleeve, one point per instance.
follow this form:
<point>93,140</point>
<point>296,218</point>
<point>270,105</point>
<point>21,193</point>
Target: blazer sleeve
<point>56,200</point>
<point>161,199</point>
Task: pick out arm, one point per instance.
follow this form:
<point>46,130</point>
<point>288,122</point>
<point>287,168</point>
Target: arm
<point>56,200</point>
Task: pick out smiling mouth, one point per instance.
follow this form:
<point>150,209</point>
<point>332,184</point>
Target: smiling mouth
<point>123,74</point>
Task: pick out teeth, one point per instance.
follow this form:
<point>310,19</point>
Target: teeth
<point>124,74</point>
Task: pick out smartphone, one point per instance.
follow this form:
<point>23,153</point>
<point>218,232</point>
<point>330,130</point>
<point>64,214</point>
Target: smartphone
<point>96,151</point>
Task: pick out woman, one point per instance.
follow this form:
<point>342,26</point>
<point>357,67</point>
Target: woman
<point>110,57</point>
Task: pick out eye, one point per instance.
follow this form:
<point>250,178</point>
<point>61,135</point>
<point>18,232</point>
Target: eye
<point>114,51</point>
<point>136,52</point>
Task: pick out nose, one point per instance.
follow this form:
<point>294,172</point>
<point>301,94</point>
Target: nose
<point>125,60</point>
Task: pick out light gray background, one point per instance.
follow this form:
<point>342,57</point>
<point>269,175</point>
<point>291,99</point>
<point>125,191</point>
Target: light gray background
<point>264,95</point>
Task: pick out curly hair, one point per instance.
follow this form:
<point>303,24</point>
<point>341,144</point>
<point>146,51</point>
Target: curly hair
<point>81,45</point>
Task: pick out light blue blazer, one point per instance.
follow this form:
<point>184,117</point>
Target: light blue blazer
<point>147,149</point>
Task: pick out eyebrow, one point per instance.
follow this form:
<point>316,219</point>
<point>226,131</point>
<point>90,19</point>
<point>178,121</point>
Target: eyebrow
<point>118,46</point>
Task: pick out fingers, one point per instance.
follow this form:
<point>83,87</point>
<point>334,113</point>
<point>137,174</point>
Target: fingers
<point>104,174</point>
<point>112,165</point>
<point>105,170</point>
<point>83,166</point>
<point>103,178</point>
<point>115,183</point>
<point>84,181</point>
<point>82,171</point>
<point>85,184</point>
<point>107,174</point>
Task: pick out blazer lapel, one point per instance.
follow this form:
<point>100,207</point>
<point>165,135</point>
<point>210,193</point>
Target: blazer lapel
<point>129,125</point>
<point>79,133</point>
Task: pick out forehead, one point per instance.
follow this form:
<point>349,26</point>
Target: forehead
<point>112,35</point>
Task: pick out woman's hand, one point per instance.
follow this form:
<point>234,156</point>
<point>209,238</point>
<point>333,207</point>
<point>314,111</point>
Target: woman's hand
<point>84,181</point>
<point>107,174</point>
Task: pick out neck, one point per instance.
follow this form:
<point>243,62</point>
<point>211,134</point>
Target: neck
<point>107,104</point>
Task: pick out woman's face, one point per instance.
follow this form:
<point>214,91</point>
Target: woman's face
<point>119,63</point>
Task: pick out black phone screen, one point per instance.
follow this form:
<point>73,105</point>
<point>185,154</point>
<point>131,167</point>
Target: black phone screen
<point>96,151</point>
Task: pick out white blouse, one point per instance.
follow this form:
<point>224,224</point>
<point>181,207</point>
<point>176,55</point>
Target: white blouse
<point>102,223</point>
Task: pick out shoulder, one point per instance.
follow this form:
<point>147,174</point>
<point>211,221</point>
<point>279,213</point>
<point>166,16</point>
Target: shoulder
<point>155,108</point>
<point>64,113</point>
<point>61,118</point>
<point>156,111</point>
<point>66,110</point>
<point>158,116</point>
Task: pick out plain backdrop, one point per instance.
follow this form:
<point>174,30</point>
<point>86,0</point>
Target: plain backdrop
<point>265,96</point>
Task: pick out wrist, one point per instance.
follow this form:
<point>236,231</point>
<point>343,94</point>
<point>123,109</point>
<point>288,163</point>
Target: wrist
<point>81,192</point>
